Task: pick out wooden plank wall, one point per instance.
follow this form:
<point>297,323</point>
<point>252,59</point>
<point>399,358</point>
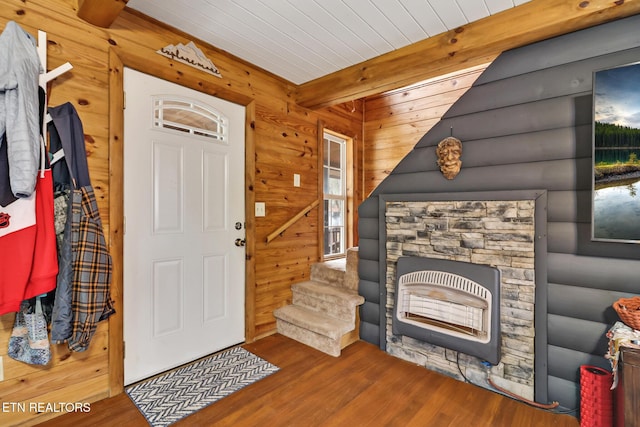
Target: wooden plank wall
<point>395,121</point>
<point>284,141</point>
<point>282,150</point>
<point>526,124</point>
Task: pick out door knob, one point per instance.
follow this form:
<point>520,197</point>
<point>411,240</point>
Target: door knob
<point>240,242</point>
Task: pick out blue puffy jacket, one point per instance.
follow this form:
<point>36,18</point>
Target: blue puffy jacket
<point>19,117</point>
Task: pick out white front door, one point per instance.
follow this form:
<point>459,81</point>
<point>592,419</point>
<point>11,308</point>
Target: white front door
<point>184,209</point>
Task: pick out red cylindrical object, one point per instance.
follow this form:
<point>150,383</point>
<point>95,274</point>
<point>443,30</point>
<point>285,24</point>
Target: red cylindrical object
<point>596,397</point>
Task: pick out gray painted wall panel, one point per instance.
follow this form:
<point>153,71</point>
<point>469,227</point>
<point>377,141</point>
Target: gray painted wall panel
<point>567,392</point>
<point>546,145</point>
<point>569,206</point>
<point>553,175</point>
<point>554,144</point>
<point>583,303</point>
<point>579,335</point>
<point>575,238</point>
<point>370,333</point>
<point>368,209</point>
<point>588,247</point>
<point>368,270</point>
<point>369,290</point>
<point>565,80</point>
<point>517,119</point>
<point>567,362</point>
<point>603,39</point>
<point>619,275</point>
<point>368,250</point>
<point>368,227</point>
<point>562,237</point>
<point>370,312</point>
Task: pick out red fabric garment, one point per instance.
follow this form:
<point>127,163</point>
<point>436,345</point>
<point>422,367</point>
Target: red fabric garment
<point>28,254</point>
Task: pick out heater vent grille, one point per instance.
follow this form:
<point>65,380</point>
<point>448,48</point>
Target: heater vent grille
<point>445,301</point>
<point>445,279</point>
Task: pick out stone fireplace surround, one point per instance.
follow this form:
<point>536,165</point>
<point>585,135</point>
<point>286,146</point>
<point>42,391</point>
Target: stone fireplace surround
<point>506,230</point>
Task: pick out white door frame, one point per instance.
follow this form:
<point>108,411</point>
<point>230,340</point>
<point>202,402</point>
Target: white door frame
<point>186,76</point>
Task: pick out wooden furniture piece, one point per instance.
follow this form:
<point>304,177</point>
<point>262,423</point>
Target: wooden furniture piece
<point>628,395</point>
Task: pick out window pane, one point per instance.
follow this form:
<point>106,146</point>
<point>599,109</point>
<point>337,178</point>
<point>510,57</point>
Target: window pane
<point>334,219</point>
<point>333,240</point>
<point>336,213</point>
<point>335,155</point>
<point>193,119</point>
<point>189,117</point>
<point>333,183</point>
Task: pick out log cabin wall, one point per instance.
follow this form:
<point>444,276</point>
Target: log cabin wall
<point>396,120</point>
<point>526,124</point>
<point>282,139</point>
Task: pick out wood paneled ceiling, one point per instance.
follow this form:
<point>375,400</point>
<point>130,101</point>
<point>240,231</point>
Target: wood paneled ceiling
<point>336,51</point>
<point>302,40</point>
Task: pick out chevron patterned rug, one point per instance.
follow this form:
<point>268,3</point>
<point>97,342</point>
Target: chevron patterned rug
<point>167,398</point>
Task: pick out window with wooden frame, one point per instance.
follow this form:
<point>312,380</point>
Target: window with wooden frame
<point>336,182</point>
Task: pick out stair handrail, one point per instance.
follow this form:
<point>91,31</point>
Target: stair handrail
<point>288,224</point>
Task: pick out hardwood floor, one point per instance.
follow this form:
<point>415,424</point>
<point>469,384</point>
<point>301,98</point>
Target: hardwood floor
<point>362,387</point>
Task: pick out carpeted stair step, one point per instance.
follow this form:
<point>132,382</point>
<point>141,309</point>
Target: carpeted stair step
<point>324,313</point>
<point>312,328</point>
<point>331,272</point>
<point>336,302</point>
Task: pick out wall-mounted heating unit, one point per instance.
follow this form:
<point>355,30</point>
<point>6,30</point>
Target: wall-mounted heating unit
<point>452,304</point>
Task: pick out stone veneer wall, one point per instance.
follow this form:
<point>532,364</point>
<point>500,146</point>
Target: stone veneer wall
<point>496,233</point>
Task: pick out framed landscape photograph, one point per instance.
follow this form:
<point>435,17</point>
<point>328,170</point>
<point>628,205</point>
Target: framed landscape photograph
<point>616,154</point>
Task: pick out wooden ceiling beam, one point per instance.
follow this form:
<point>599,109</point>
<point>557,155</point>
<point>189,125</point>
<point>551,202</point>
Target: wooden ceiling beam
<point>473,44</point>
<point>101,13</point>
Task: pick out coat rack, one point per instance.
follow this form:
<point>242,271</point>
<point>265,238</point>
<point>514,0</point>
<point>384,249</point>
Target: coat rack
<point>45,78</point>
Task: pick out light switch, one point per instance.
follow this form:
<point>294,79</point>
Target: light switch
<point>296,180</point>
<point>261,210</point>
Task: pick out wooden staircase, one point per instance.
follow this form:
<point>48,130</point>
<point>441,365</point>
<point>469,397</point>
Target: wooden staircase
<point>324,313</point>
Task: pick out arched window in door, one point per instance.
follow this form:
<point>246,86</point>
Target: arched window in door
<point>189,116</point>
